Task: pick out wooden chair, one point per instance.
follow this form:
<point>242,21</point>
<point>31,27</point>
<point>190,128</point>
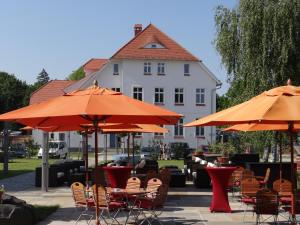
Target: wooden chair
<point>82,204</point>
<point>235,180</point>
<point>106,205</point>
<point>133,183</point>
<point>282,186</point>
<point>266,204</point>
<point>153,185</point>
<point>247,174</point>
<point>249,188</point>
<point>151,206</point>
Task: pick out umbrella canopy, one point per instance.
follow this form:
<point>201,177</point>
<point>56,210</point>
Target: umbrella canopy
<point>261,127</point>
<point>93,104</point>
<point>276,106</point>
<point>141,128</point>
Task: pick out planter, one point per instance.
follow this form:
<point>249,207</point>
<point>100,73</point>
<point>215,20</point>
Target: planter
<point>197,154</point>
<point>223,159</point>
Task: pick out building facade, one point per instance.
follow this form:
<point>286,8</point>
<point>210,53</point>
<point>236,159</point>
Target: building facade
<point>152,67</point>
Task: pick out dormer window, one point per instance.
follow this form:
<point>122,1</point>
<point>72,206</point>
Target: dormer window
<point>147,68</point>
<point>154,46</point>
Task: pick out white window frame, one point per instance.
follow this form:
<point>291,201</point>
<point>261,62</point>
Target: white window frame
<point>161,68</point>
<point>159,92</point>
<point>116,72</point>
<point>186,73</point>
<point>117,89</point>
<point>147,68</point>
<point>200,95</point>
<point>159,135</point>
<point>179,91</point>
<point>200,132</point>
<point>179,126</point>
<point>138,92</point>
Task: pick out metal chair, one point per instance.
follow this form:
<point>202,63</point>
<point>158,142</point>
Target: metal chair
<point>153,185</point>
<point>108,206</point>
<point>82,204</point>
<point>266,204</point>
<point>133,183</point>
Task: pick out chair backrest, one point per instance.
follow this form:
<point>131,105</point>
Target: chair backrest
<point>133,183</point>
<point>267,176</point>
<point>282,185</point>
<point>102,196</point>
<point>267,202</point>
<point>78,192</point>
<point>236,177</point>
<point>249,187</point>
<point>165,176</point>
<point>153,185</point>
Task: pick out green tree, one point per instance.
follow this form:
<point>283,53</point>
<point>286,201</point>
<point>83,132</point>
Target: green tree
<point>77,74</point>
<point>259,44</point>
<point>42,78</point>
<point>14,93</point>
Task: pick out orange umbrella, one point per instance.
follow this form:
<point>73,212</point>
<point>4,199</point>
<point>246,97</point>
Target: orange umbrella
<point>277,106</point>
<point>261,127</point>
<point>92,105</point>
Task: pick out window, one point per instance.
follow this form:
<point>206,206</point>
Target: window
<point>186,69</point>
<point>199,131</point>
<point>116,89</point>
<point>161,68</point>
<point>52,136</point>
<point>138,93</point>
<point>116,69</point>
<point>138,135</point>
<point>61,136</point>
<point>147,68</point>
<point>159,96</point>
<point>178,128</point>
<point>178,96</point>
<point>200,96</point>
<point>160,135</point>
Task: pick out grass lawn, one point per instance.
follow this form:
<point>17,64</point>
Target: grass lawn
<point>178,163</point>
<point>42,211</point>
<point>19,166</point>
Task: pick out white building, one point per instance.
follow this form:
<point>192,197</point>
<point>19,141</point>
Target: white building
<point>152,67</point>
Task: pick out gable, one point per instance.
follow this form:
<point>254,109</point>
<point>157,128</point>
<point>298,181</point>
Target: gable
<point>140,47</point>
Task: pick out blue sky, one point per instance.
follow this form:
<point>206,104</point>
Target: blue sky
<point>61,35</point>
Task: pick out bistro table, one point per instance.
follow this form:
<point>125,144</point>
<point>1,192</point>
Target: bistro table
<point>117,175</point>
<point>220,178</point>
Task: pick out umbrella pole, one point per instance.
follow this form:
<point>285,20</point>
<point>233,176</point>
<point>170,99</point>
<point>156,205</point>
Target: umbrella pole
<point>280,156</point>
<point>105,136</point>
<point>294,185</point>
<point>95,171</point>
<point>128,146</point>
<point>45,156</point>
<point>86,156</point>
<point>133,134</point>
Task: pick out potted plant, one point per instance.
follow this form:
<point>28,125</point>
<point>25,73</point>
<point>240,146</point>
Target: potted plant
<point>224,158</point>
<point>198,153</point>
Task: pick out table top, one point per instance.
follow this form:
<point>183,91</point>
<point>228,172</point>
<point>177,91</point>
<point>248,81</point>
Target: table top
<point>221,168</point>
<point>117,167</point>
<point>127,191</point>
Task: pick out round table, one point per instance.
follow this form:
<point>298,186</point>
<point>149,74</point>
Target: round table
<point>117,175</point>
<point>220,178</point>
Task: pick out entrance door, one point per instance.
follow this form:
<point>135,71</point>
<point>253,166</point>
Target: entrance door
<point>112,140</point>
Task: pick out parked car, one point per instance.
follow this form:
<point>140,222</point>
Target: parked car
<point>57,149</point>
<point>17,151</point>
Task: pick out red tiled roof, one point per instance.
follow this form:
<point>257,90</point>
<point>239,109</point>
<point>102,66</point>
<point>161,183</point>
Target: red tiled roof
<point>134,49</point>
<point>53,88</point>
<point>94,64</point>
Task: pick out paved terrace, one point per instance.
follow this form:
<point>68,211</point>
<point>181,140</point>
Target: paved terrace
<point>186,206</point>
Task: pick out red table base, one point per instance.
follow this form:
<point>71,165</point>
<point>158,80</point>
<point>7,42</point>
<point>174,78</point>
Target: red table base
<point>118,175</point>
<point>220,178</point>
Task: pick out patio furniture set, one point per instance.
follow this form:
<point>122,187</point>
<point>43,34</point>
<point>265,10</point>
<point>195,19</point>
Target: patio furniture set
<point>137,203</point>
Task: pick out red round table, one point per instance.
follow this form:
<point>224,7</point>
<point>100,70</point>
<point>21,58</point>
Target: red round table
<point>220,177</point>
<point>117,175</point>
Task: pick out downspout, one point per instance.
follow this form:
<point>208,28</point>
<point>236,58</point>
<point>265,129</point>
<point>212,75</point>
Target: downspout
<point>218,86</point>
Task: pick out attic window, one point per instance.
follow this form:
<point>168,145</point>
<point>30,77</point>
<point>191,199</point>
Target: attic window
<point>154,45</point>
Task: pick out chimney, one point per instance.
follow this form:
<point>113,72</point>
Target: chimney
<point>138,29</point>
